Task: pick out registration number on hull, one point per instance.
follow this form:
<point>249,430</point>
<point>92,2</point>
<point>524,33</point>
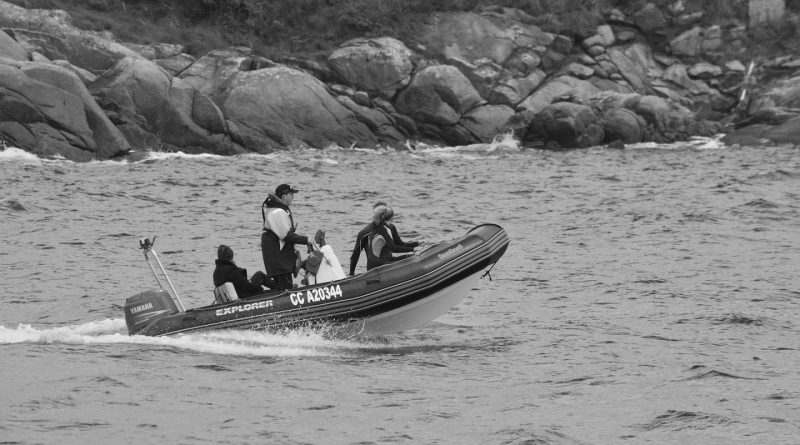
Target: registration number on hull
<point>316,295</point>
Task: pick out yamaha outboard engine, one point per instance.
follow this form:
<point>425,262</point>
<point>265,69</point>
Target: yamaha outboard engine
<point>147,307</point>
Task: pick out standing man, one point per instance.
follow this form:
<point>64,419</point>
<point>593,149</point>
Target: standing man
<point>279,237</point>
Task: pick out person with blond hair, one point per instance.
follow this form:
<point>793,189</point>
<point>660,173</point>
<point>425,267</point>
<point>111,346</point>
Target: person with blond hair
<point>380,244</point>
<point>361,239</point>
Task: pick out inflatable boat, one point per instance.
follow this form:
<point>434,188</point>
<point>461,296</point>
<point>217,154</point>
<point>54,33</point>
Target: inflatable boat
<point>395,297</point>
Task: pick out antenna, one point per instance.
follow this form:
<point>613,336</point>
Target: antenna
<point>147,246</point>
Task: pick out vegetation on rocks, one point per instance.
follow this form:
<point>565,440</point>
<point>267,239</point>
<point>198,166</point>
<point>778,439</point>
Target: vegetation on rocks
<point>307,27</point>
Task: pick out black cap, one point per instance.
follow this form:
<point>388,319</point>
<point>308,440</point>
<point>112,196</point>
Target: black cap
<point>284,188</point>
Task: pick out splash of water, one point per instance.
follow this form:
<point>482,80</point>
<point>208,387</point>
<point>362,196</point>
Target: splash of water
<point>13,154</point>
<point>228,342</point>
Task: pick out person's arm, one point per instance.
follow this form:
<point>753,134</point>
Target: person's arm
<point>400,242</point>
<point>355,255</point>
<point>293,238</point>
<point>393,247</point>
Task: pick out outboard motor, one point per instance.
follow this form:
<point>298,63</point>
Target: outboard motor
<point>147,307</point>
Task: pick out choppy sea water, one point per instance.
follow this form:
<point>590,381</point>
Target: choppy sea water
<point>649,295</point>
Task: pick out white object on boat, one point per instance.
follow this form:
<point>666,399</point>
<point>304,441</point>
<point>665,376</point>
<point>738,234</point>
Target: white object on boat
<point>329,270</point>
<point>225,293</point>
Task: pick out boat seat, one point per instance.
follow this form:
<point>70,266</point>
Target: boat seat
<point>225,293</point>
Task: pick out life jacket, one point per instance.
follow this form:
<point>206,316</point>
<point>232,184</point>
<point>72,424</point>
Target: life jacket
<point>273,204</point>
<point>376,240</point>
<point>279,256</point>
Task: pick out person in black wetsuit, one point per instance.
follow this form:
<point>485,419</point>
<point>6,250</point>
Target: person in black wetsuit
<point>362,234</point>
<point>228,272</point>
<point>380,244</point>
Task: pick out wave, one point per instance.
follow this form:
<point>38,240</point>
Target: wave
<point>677,420</point>
<point>13,154</point>
<point>229,342</point>
<point>761,203</point>
<point>739,319</point>
<point>705,373</point>
<point>12,204</point>
<point>505,142</point>
<point>695,142</point>
<point>776,175</point>
<point>163,155</point>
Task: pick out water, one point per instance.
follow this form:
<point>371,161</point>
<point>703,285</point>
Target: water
<point>649,295</point>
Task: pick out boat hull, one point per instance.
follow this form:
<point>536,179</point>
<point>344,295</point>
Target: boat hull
<point>420,312</point>
<point>391,298</point>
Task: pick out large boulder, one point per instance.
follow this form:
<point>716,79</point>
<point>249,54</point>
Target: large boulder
<point>623,125</point>
<point>783,93</point>
<point>787,132</point>
<point>487,121</point>
<point>379,66</point>
<point>378,121</point>
<point>633,64</point>
<point>47,110</point>
<point>210,72</point>
<point>439,94</point>
<point>562,86</point>
<point>513,91</point>
<point>281,107</point>
<point>689,43</point>
<point>51,33</point>
<point>568,124</point>
<point>650,18</point>
<point>469,36</point>
<point>11,49</point>
<point>145,99</point>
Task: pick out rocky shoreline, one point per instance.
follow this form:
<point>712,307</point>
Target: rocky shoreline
<point>651,74</point>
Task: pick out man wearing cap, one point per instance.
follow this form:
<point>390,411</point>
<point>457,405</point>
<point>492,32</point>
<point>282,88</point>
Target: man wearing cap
<point>279,238</point>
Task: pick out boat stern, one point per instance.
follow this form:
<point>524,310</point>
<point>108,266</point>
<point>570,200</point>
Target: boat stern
<point>144,308</point>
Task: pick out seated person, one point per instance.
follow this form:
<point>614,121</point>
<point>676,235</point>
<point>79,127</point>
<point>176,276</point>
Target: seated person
<point>379,206</point>
<point>379,244</point>
<point>228,272</point>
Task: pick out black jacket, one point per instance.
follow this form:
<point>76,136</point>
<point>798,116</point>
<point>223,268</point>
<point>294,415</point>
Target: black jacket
<point>228,272</point>
<point>385,256</point>
<point>361,240</point>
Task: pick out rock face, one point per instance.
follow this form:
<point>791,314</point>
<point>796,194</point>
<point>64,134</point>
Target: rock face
<point>47,110</point>
<point>438,95</point>
<point>569,125</point>
<point>151,107</point>
<point>282,107</point>
<point>378,66</point>
<point>50,33</point>
<point>656,74</point>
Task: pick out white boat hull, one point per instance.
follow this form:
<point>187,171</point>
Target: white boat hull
<point>417,313</point>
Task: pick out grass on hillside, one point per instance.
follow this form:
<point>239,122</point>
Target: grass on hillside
<point>273,27</point>
<point>315,27</point>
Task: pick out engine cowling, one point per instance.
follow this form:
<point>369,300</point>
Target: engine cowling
<point>147,307</point>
